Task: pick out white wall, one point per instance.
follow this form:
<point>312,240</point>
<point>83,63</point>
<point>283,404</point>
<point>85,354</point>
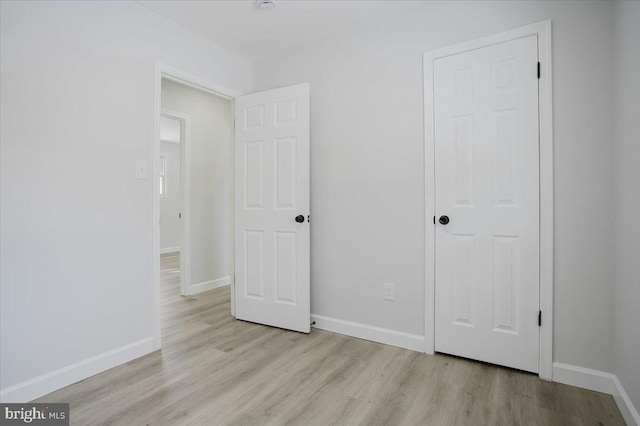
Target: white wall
<point>367,165</point>
<point>170,204</point>
<point>76,231</point>
<point>211,179</point>
<point>627,206</point>
<point>169,129</point>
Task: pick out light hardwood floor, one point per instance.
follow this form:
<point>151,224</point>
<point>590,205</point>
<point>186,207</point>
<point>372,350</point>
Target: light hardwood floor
<point>215,370</point>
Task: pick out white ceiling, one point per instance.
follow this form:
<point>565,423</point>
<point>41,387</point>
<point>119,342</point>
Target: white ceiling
<point>240,26</point>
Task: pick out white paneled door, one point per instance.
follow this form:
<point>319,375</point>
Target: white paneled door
<point>272,244</point>
<point>487,204</point>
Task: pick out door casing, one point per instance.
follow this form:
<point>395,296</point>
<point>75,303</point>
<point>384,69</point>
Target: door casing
<point>545,116</point>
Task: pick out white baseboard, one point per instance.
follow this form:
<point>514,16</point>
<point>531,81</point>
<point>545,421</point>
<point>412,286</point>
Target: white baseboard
<point>57,379</point>
<point>585,378</point>
<point>169,250</point>
<point>207,285</point>
<point>598,381</point>
<point>629,412</point>
<point>367,332</point>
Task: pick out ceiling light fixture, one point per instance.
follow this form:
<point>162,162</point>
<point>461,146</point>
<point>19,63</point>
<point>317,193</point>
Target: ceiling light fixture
<point>266,4</point>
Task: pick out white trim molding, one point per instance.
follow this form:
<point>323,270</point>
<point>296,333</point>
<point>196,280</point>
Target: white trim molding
<point>57,379</point>
<point>170,250</point>
<point>413,342</point>
<point>628,410</point>
<point>598,381</point>
<point>207,285</point>
<point>581,377</point>
<point>543,32</point>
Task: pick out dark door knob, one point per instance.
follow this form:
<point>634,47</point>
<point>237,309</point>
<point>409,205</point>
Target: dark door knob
<point>299,218</point>
<point>443,220</point>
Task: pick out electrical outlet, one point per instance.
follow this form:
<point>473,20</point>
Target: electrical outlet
<point>389,291</point>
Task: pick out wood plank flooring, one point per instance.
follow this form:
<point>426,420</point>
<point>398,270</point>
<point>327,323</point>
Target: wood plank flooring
<point>215,370</point>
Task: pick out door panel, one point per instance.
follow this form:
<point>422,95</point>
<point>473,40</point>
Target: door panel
<point>272,188</point>
<point>487,183</point>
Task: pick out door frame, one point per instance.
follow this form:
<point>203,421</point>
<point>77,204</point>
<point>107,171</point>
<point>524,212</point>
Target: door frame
<point>185,220</point>
<point>545,123</point>
<point>162,70</point>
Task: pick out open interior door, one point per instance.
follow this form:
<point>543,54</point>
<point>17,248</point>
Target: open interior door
<point>272,239</point>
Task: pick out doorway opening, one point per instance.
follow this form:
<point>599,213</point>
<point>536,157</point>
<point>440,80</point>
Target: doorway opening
<point>195,180</point>
<point>193,200</point>
<point>172,238</point>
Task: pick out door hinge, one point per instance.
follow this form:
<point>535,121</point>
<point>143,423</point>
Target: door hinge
<point>434,220</point>
<point>538,69</point>
<point>179,215</point>
<point>539,318</point>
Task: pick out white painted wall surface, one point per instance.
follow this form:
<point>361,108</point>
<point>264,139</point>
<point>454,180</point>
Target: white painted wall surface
<point>169,129</point>
<point>367,165</point>
<point>76,231</point>
<point>627,207</point>
<point>170,205</point>
<point>211,180</point>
